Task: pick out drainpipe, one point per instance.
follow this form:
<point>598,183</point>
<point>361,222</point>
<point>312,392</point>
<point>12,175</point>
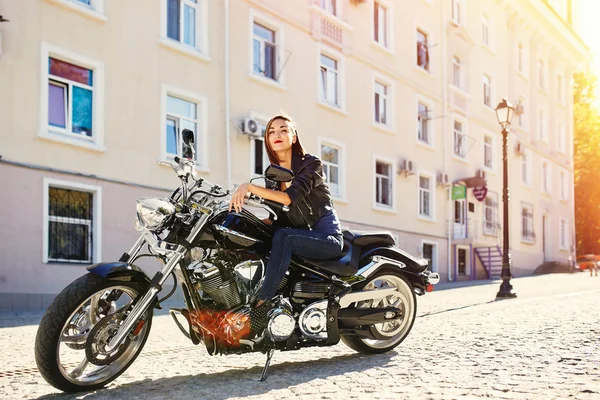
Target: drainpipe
<point>445,134</point>
<point>227,109</point>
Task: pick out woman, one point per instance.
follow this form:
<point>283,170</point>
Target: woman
<point>310,228</point>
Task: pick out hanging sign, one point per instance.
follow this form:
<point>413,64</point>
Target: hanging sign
<point>480,192</point>
<point>459,192</point>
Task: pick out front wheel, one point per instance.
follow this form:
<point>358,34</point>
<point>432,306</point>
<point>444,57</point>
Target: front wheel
<point>394,331</point>
<point>70,345</point>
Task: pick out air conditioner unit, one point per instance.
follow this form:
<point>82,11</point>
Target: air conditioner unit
<point>480,173</point>
<point>407,167</point>
<point>519,148</point>
<point>251,127</point>
<point>443,179</point>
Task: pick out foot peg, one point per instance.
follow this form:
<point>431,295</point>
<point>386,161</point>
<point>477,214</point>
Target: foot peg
<point>263,376</point>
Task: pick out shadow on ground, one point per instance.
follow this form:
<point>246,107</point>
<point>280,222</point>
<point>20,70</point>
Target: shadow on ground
<point>238,382</point>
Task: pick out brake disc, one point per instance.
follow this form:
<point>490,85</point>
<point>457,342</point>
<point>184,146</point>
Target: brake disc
<point>100,336</point>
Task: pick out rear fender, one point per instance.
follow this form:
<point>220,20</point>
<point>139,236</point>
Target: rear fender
<point>120,271</point>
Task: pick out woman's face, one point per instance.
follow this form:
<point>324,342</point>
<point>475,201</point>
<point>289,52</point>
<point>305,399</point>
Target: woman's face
<point>280,135</point>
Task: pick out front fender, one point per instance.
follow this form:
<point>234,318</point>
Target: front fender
<point>119,271</point>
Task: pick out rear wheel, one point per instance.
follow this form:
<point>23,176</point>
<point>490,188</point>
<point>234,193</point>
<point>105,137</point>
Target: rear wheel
<point>393,332</point>
<point>70,345</point>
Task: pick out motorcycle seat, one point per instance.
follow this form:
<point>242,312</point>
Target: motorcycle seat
<point>346,263</point>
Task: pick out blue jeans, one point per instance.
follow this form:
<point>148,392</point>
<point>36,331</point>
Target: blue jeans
<point>301,242</point>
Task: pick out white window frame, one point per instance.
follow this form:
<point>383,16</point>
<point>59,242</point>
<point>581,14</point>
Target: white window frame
<point>521,57</point>
<point>434,254</point>
<point>262,120</point>
<point>564,192</point>
<point>524,71</point>
<point>456,12</point>
<point>541,74</point>
<point>45,131</point>
<point>528,239</point>
<point>563,233</point>
<point>427,34</point>
<point>527,165</point>
<point>560,88</point>
<point>325,6</point>
<point>94,11</point>
<point>490,86</point>
<point>341,77</point>
<point>201,134</point>
<point>494,198</point>
<point>464,149</point>
<point>201,50</point>
<point>388,42</point>
<point>96,217</point>
<point>457,78</point>
<point>432,192</point>
<point>561,137</point>
<point>546,181</point>
<point>486,31</point>
<point>376,204</point>
<point>430,125</point>
<point>389,85</point>
<point>492,147</point>
<point>341,148</point>
<point>542,130</point>
<point>277,28</point>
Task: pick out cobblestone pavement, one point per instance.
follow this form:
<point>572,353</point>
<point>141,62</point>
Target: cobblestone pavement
<point>543,345</point>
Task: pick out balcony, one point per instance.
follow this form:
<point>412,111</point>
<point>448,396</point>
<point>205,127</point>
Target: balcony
<point>474,230</point>
<point>328,27</point>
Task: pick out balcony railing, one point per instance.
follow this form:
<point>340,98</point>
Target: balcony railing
<point>475,229</point>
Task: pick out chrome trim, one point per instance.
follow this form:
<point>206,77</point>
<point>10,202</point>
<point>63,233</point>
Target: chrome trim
<point>376,262</point>
<point>228,231</point>
<point>433,278</point>
<point>364,295</point>
<point>143,305</point>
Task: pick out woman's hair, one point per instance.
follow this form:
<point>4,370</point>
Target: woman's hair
<point>296,147</point>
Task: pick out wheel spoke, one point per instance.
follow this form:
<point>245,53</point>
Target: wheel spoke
<point>93,311</point>
<point>77,372</point>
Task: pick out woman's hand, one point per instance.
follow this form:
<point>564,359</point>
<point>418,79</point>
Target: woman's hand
<point>237,199</point>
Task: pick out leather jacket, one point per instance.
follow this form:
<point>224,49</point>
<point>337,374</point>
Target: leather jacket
<point>310,194</point>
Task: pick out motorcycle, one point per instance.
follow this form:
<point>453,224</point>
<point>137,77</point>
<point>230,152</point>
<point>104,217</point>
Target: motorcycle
<point>97,326</point>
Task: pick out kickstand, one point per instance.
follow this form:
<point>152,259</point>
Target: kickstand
<point>263,376</point>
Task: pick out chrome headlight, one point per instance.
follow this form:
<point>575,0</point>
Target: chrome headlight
<point>152,213</point>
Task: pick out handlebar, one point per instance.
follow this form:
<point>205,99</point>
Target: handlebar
<point>254,200</point>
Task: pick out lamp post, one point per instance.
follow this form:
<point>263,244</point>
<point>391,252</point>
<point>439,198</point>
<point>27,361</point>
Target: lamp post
<point>504,113</point>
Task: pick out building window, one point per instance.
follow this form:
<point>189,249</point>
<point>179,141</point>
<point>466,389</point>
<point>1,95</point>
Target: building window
<point>70,98</point>
<point>541,75</point>
<point>260,158</point>
<point>183,22</point>
<point>383,183</point>
<point>330,6</point>
<point>425,197</point>
<point>264,51</point>
<point>526,168</point>
<point>456,12</point>
<point>456,72</point>
<point>328,81</point>
<point>562,137</point>
<point>563,186</point>
<point>181,114</point>
<point>527,230</point>
<point>559,88</point>
<point>423,133</point>
<point>564,234</point>
<point>71,232</point>
<point>520,112</point>
<point>429,253</point>
<point>330,157</point>
<point>488,160</point>
<point>520,57</point>
<point>485,30</point>
<point>422,50</point>
<point>542,126</point>
<point>487,90</point>
<point>546,177</point>
<point>490,214</point>
<point>381,103</point>
<point>460,141</point>
<point>380,24</point>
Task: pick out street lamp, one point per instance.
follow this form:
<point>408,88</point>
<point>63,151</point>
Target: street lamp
<point>504,113</point>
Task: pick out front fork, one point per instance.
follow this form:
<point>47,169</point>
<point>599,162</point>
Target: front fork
<point>174,255</point>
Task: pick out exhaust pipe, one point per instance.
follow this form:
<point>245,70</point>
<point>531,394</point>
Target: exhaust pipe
<point>368,316</point>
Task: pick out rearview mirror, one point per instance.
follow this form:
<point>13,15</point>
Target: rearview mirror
<point>187,136</point>
<point>277,173</point>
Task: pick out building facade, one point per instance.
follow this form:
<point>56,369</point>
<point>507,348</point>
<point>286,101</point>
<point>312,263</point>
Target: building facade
<point>399,104</point>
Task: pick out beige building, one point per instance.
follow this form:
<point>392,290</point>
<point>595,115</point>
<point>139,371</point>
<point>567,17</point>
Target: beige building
<point>396,96</point>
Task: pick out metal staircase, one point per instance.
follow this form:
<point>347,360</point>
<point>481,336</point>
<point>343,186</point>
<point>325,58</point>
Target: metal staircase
<point>491,258</point>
